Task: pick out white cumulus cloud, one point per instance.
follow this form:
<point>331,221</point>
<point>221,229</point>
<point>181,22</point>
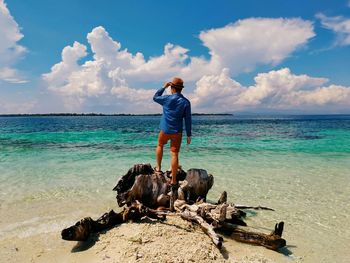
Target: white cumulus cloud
<point>95,81</point>
<point>249,42</point>
<point>339,25</point>
<point>10,50</point>
<point>114,72</point>
<point>274,90</point>
<point>214,92</point>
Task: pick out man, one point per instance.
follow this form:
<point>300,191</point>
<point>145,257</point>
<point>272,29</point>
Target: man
<point>175,108</point>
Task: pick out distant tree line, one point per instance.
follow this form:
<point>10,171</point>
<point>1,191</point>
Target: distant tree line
<point>101,114</point>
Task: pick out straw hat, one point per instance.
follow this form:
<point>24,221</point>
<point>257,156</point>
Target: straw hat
<point>177,83</point>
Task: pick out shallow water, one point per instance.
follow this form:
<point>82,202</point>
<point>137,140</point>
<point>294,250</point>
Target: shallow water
<point>55,170</point>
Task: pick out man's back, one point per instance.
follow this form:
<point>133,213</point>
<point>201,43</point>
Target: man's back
<point>175,108</point>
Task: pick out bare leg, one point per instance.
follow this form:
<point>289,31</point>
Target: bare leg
<point>174,166</point>
<point>159,157</point>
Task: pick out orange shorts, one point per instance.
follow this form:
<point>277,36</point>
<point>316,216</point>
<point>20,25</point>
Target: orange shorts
<point>175,140</point>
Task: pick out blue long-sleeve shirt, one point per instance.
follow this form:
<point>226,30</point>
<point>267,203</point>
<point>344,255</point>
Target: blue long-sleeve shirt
<point>175,108</point>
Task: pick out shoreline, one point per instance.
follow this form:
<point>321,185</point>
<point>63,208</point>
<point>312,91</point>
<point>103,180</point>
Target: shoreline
<point>174,240</point>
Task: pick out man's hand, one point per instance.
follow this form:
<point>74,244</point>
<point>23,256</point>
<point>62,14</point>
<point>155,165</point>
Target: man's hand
<point>188,139</point>
<point>168,84</point>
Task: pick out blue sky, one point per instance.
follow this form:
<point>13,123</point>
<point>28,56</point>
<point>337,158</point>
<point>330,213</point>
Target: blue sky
<point>315,46</point>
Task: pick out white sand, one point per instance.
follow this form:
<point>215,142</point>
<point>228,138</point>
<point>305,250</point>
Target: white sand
<point>173,240</point>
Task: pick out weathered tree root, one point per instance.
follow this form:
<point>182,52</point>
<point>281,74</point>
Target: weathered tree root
<point>142,184</point>
<point>254,207</point>
<point>208,229</point>
<point>273,241</point>
<point>83,228</point>
<point>225,218</point>
<point>208,216</point>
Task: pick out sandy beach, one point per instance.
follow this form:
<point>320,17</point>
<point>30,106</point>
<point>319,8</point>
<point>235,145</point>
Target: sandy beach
<point>173,240</point>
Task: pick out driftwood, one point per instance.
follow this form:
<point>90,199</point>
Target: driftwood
<point>225,218</point>
<point>271,241</point>
<point>85,227</point>
<point>146,193</point>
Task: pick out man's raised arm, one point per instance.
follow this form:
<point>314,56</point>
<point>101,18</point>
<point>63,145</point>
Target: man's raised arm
<point>158,95</point>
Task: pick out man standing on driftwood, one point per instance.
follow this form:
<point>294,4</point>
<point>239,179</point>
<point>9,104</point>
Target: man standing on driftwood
<point>175,108</point>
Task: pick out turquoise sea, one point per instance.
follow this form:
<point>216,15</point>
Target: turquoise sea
<point>55,170</point>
